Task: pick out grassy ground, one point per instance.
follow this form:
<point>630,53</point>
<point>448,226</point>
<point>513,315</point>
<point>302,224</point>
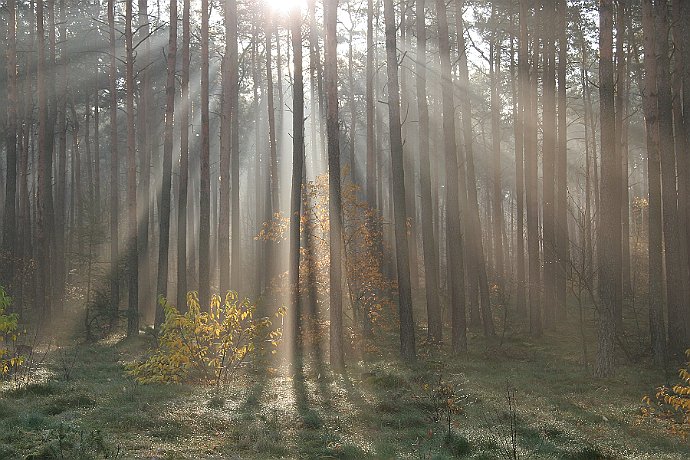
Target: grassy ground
<point>378,409</point>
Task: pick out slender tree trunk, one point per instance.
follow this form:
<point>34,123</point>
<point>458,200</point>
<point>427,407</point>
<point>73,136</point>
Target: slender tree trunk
<point>676,266</point>
<point>146,127</point>
<point>233,68</point>
<point>456,266</point>
<point>680,123</point>
<point>114,170</point>
<point>531,196</point>
<point>184,165</point>
<point>44,173</point>
<point>620,103</point>
<point>520,144</point>
<point>476,262</point>
<point>650,97</point>
<point>226,151</point>
<point>297,174</point>
<point>204,169</point>
<point>334,195</point>
<point>9,217</point>
<point>562,241</point>
<point>97,144</point>
<point>164,219</point>
<point>433,305</point>
<point>609,233</point>
<point>133,265</point>
<point>497,190</point>
<point>549,165</point>
<point>407,337</point>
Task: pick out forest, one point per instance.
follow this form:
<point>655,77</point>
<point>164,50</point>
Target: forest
<point>417,229</point>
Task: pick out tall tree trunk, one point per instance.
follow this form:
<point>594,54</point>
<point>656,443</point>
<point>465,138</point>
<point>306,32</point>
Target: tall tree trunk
<point>9,217</point>
<point>133,263</point>
<point>184,165</point>
<point>676,266</point>
<point>233,68</point>
<point>562,241</point>
<point>478,282</point>
<point>549,164</point>
<point>609,232</point>
<point>297,173</point>
<point>681,92</point>
<point>274,185</point>
<point>456,267</point>
<point>520,144</point>
<point>620,102</point>
<point>497,190</point>
<point>407,338</point>
<point>204,169</point>
<point>226,151</point>
<point>114,170</point>
<point>146,127</point>
<point>60,230</point>
<point>164,219</point>
<point>650,97</point>
<point>44,173</point>
<point>431,285</point>
<point>97,143</point>
<point>334,195</point>
<point>531,195</point>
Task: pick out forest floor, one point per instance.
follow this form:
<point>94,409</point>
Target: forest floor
<point>84,406</point>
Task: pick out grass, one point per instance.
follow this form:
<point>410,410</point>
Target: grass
<point>378,409</point>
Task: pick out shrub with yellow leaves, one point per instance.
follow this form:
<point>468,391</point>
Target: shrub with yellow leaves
<point>207,346</point>
<point>672,403</point>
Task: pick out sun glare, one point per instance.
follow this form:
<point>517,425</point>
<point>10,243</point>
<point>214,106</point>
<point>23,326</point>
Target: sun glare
<point>285,7</point>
